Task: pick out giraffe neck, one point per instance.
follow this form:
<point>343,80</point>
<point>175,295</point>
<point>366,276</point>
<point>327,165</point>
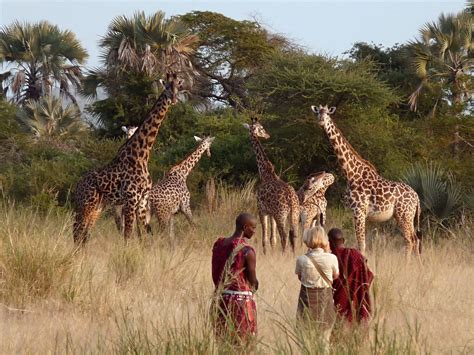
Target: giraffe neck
<point>265,167</point>
<point>186,166</point>
<point>141,143</point>
<point>351,162</point>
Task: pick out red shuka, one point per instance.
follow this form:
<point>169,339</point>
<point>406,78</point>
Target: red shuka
<point>236,313</point>
<point>351,295</point>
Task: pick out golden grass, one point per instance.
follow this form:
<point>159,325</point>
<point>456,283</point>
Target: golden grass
<point>154,296</point>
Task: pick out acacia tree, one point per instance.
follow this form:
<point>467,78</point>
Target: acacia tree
<point>40,57</point>
<point>136,51</point>
<point>228,55</point>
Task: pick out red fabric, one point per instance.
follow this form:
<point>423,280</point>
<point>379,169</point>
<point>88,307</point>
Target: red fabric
<point>235,313</point>
<point>351,295</point>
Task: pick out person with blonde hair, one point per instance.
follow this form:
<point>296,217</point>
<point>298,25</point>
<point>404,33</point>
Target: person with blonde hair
<point>316,271</point>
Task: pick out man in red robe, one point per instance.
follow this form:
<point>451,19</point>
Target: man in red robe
<point>351,295</point>
<point>235,280</point>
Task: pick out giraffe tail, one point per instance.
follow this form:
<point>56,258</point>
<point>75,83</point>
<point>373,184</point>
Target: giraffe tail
<point>418,233</point>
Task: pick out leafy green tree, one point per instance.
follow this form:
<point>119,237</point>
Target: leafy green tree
<point>41,58</point>
<point>137,51</point>
<point>49,120</point>
<point>229,53</point>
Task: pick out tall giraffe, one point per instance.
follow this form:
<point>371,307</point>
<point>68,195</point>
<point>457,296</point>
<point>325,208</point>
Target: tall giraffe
<point>125,180</point>
<point>275,198</point>
<point>369,195</point>
<point>313,200</point>
<point>171,194</point>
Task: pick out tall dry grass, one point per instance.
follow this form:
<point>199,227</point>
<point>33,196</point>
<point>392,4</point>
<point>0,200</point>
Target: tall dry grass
<point>154,296</point>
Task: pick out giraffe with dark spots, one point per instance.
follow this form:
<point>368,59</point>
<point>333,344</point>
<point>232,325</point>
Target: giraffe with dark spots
<point>313,200</point>
<point>125,180</point>
<point>171,194</point>
<point>369,195</point>
<point>277,201</point>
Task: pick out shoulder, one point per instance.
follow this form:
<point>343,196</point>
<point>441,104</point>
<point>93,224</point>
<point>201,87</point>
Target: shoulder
<point>331,258</point>
<point>218,242</point>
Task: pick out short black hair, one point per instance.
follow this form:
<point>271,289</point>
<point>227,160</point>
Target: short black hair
<point>242,219</point>
<point>335,234</point>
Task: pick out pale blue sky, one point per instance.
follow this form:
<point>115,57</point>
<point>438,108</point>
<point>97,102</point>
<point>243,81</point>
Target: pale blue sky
<point>329,27</point>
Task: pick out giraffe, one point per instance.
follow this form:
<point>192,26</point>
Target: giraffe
<point>312,200</point>
<point>171,194</point>
<point>369,195</point>
<point>275,198</point>
<point>125,180</point>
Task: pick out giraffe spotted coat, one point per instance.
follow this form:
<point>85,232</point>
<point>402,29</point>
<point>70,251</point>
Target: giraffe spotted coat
<point>125,180</point>
<point>171,194</point>
<point>312,199</point>
<point>276,200</point>
<point>369,195</point>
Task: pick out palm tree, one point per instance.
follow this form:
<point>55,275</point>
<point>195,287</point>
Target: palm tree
<point>444,55</point>
<point>40,57</point>
<point>151,45</point>
<point>443,58</point>
<point>48,120</point>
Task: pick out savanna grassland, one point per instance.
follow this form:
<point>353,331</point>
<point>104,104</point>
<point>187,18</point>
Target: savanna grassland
<point>154,296</point>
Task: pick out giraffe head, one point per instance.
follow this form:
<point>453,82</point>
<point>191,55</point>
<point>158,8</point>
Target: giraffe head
<point>205,143</point>
<point>172,85</point>
<point>323,113</point>
<point>256,129</point>
<point>129,131</point>
<point>315,182</point>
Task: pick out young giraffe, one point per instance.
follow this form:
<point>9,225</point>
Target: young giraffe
<point>312,199</point>
<point>170,195</point>
<point>275,198</point>
<point>125,180</point>
<point>370,195</point>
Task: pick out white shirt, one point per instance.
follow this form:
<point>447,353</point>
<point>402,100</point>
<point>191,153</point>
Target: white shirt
<point>309,275</point>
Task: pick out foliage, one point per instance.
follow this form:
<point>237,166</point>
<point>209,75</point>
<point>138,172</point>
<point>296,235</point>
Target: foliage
<point>293,81</point>
<point>229,52</point>
<point>47,119</point>
<point>136,52</point>
<point>443,59</point>
<point>440,195</point>
<point>41,57</point>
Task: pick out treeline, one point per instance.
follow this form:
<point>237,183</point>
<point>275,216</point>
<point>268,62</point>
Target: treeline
<point>397,106</point>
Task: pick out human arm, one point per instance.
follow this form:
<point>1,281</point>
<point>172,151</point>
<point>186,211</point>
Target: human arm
<point>251,268</point>
<point>335,268</point>
<point>298,269</point>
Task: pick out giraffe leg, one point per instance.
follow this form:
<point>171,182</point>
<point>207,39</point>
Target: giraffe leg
<point>264,221</point>
<point>281,230</point>
<point>295,216</point>
<point>143,216</point>
<point>129,215</point>
<point>273,232</point>
<point>406,225</point>
<point>359,225</point>
<point>186,209</point>
<point>85,217</point>
<point>117,218</point>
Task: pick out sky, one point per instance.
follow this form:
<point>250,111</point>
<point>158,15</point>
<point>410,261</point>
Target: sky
<point>327,27</point>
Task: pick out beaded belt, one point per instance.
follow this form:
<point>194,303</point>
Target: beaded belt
<point>243,293</point>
